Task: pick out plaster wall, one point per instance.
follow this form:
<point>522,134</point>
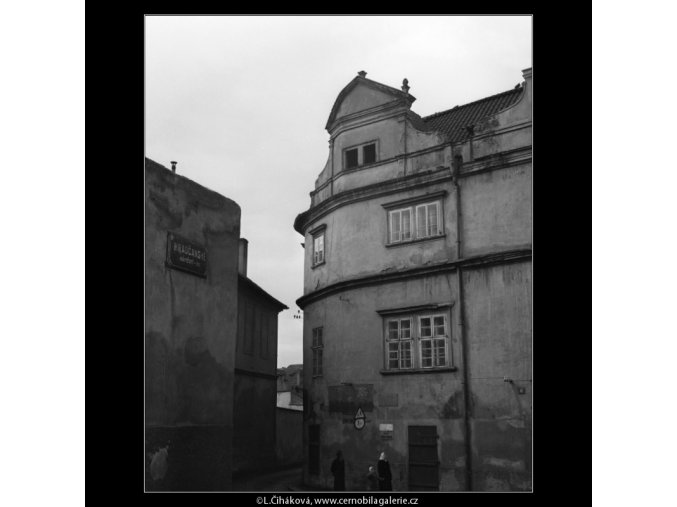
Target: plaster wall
<point>190,333</point>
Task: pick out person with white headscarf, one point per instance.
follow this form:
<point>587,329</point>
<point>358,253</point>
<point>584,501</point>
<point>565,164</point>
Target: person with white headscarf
<point>385,477</point>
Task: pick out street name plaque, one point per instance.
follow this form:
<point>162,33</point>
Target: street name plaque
<point>186,255</point>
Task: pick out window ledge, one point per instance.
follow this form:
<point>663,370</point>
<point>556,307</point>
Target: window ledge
<point>318,265</point>
<point>417,240</point>
<point>419,370</point>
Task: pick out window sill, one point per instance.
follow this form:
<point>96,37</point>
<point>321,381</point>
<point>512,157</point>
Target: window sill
<point>417,240</point>
<point>358,167</point>
<point>418,370</point>
<point>318,265</point>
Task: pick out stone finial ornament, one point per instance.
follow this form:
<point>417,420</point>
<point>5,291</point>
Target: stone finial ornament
<point>362,73</point>
<point>405,85</point>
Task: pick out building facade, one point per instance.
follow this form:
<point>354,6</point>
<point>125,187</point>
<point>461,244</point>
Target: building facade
<point>210,341</point>
<point>191,306</point>
<point>254,445</point>
<point>417,292</point>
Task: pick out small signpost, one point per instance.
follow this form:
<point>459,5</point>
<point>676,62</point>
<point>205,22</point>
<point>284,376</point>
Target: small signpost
<point>359,419</point>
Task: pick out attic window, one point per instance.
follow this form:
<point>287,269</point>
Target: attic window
<point>369,153</point>
<point>351,158</point>
<point>357,156</point>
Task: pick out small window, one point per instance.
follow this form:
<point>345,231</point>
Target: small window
<point>351,158</point>
<point>317,348</point>
<point>358,156</point>
<point>318,248</point>
<point>369,153</point>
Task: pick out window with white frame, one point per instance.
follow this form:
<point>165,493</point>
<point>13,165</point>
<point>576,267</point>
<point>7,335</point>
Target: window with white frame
<point>317,348</point>
<point>318,248</point>
<point>415,222</point>
<point>399,344</point>
<point>419,341</point>
<point>433,341</point>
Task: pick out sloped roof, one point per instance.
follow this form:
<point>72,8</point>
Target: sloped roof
<point>454,121</point>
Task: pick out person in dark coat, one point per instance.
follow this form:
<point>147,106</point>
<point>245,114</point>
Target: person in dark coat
<point>338,470</point>
<point>385,477</point>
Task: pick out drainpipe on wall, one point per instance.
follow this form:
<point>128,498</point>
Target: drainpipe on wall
<point>456,171</point>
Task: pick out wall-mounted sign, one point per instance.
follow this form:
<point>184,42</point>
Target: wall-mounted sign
<point>185,255</point>
<point>386,431</point>
<point>359,419</point>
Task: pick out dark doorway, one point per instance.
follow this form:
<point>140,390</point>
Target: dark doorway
<point>424,467</point>
<point>314,449</point>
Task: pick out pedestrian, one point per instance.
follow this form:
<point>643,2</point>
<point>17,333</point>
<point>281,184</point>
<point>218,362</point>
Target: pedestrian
<point>372,479</point>
<point>385,477</point>
<point>338,470</point>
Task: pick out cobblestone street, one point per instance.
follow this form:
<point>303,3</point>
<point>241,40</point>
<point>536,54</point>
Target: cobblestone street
<point>277,480</point>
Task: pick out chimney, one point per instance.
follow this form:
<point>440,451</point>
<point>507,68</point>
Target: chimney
<point>242,257</point>
<point>173,162</point>
<point>526,74</point>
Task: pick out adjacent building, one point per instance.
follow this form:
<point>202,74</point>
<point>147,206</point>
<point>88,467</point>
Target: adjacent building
<point>417,292</point>
<point>210,341</point>
<point>289,418</point>
<point>191,296</point>
<point>254,446</point>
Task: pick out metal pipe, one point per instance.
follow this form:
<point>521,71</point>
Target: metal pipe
<point>456,171</point>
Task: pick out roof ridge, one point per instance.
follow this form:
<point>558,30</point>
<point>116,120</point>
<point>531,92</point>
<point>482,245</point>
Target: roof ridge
<point>434,115</point>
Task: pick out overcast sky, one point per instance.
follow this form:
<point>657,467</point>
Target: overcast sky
<point>241,104</point>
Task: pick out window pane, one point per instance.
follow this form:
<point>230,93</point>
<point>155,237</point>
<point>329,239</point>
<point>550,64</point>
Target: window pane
<point>440,353</point>
<point>405,329</point>
<point>439,326</point>
<point>432,220</point>
<point>319,336</point>
<point>406,224</point>
<point>393,355</point>
<point>425,327</point>
<point>369,154</point>
<point>351,158</point>
<point>394,226</point>
<point>319,361</point>
<point>392,330</point>
<point>426,354</point>
<point>405,354</point>
<point>420,221</point>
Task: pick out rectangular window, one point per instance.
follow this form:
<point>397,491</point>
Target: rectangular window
<point>399,344</point>
<point>369,153</point>
<point>360,155</point>
<point>318,248</point>
<point>400,225</point>
<point>429,331</point>
<point>351,158</point>
<point>317,348</point>
<point>433,341</point>
<point>416,222</point>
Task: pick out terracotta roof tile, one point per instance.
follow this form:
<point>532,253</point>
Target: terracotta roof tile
<point>454,121</point>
